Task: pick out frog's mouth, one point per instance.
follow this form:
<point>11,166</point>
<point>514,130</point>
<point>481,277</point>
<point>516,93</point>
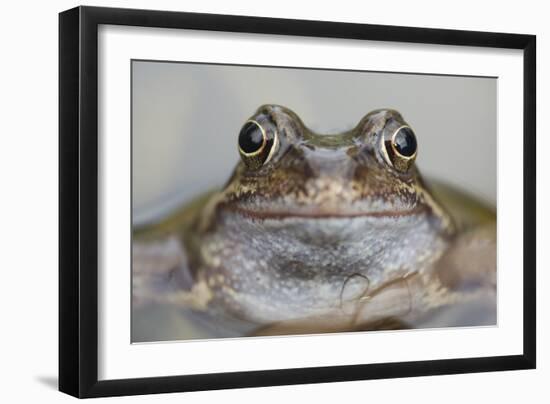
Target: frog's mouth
<point>317,213</point>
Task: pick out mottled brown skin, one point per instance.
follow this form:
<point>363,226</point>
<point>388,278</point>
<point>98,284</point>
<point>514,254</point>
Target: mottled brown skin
<point>330,175</point>
<point>331,233</point>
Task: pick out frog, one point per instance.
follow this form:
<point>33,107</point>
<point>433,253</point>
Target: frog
<point>319,233</point>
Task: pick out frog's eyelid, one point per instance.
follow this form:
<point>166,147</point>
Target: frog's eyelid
<point>273,148</point>
<point>384,151</point>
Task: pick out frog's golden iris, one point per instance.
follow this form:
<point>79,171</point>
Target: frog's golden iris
<point>404,142</point>
<point>257,142</point>
<point>400,148</point>
<point>252,138</point>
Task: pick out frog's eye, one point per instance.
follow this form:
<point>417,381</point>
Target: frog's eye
<point>256,144</point>
<point>400,148</point>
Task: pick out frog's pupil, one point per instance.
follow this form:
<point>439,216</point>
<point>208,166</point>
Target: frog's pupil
<point>250,138</point>
<point>405,142</point>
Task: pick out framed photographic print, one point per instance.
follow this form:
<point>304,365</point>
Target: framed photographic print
<point>251,201</point>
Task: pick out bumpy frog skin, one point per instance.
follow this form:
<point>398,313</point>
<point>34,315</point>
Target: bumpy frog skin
<point>318,233</point>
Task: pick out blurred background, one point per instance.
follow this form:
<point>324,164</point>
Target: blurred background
<point>186,118</point>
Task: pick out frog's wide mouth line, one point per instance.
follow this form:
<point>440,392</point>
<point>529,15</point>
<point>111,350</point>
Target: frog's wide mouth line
<point>325,214</point>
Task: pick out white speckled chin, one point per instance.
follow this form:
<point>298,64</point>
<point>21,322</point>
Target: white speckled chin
<point>296,267</point>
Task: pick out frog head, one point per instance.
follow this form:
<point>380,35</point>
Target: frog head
<point>289,171</point>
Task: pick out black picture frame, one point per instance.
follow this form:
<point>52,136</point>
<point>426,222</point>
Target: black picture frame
<point>78,200</point>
